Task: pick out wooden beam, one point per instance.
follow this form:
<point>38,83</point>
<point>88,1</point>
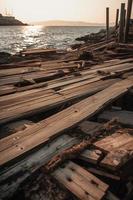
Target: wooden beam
<point>129,10</point>
<point>122,21</point>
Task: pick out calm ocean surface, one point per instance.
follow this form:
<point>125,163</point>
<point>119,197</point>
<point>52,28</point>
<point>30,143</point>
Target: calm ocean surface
<point>14,39</point>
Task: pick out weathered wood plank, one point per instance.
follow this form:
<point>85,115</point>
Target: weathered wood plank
<point>65,119</point>
<point>103,173</point>
<point>117,158</point>
<point>115,141</point>
<point>21,170</point>
<point>49,99</point>
<point>119,148</point>
<point>80,182</point>
<point>55,73</point>
<point>38,51</point>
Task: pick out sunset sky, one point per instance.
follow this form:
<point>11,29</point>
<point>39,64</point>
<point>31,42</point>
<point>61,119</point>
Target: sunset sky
<point>74,10</point>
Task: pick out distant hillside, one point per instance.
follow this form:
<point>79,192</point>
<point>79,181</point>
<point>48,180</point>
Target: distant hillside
<point>10,21</point>
<point>66,23</point>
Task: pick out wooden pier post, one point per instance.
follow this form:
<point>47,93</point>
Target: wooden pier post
<point>129,9</point>
<point>122,21</point>
<point>125,18</point>
<point>117,18</point>
<point>107,23</point>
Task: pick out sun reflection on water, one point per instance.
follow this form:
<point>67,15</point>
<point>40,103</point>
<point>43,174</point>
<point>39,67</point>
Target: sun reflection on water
<point>15,39</point>
<point>31,35</point>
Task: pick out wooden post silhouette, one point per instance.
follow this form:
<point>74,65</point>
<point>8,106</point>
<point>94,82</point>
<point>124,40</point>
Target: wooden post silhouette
<point>125,18</point>
<point>121,25</point>
<point>107,23</point>
<point>117,18</point>
<point>129,10</point>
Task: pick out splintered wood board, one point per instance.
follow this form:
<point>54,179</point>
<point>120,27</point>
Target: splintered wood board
<point>119,148</point>
<point>54,125</point>
<point>115,159</point>
<point>115,141</point>
<point>80,182</point>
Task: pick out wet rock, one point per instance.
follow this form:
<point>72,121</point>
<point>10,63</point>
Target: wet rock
<point>4,57</point>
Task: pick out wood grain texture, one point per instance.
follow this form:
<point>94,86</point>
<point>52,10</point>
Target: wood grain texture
<point>80,182</point>
<point>63,120</point>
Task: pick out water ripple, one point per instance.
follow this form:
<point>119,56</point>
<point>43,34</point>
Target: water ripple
<point>14,39</point>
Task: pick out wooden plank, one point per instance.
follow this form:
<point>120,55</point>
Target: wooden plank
<point>119,148</point>
<point>91,155</point>
<point>38,51</point>
<point>14,109</point>
<point>63,120</point>
<point>21,170</point>
<point>103,173</point>
<point>117,158</point>
<point>114,141</point>
<point>37,76</point>
<point>53,84</point>
<point>112,63</point>
<point>6,144</point>
<point>48,88</point>
<point>19,70</point>
<point>48,75</point>
<point>124,117</point>
<point>113,69</point>
<point>80,182</point>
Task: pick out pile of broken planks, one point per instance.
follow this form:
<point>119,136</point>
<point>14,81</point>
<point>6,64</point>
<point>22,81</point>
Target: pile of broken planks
<point>54,119</point>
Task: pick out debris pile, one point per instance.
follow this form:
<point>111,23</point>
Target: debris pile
<point>66,122</point>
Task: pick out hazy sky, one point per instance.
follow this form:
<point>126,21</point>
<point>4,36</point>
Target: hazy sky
<point>74,10</point>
